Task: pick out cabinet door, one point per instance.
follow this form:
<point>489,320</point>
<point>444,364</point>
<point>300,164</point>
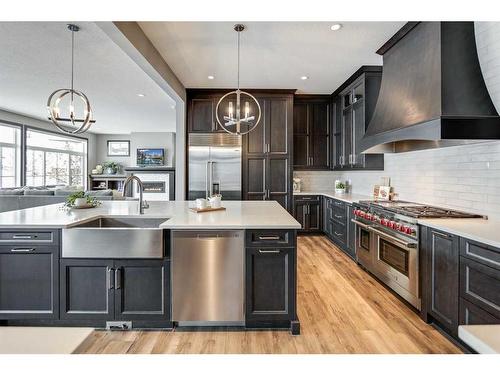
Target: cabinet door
<point>255,141</point>
<point>142,290</point>
<point>278,180</point>
<point>301,151</point>
<point>270,284</point>
<point>87,289</point>
<point>299,212</point>
<point>443,268</point>
<point>29,277</point>
<point>202,115</point>
<point>254,177</point>
<point>301,118</point>
<point>358,127</point>
<point>277,125</point>
<point>347,136</point>
<point>314,217</point>
<point>338,134</point>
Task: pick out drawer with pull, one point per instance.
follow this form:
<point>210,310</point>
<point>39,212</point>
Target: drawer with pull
<point>28,249</point>
<point>481,253</point>
<point>307,198</point>
<point>337,232</point>
<point>45,237</point>
<point>270,237</point>
<point>339,214</point>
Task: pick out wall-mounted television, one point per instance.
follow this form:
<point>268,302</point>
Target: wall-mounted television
<point>150,156</point>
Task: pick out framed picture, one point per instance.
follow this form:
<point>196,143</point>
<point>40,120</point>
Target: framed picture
<point>118,148</point>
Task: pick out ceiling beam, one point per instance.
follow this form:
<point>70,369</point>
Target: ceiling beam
<point>132,40</point>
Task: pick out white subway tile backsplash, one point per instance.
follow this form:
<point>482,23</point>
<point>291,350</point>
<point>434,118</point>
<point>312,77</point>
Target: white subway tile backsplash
<point>461,177</point>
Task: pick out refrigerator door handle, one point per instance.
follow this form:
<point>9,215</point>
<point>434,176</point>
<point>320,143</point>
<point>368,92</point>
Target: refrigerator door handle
<point>212,178</point>
<point>207,180</point>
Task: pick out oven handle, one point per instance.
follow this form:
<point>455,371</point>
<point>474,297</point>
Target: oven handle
<point>362,225</point>
<point>408,245</point>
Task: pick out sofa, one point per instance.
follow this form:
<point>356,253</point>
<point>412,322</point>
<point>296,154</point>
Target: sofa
<point>26,197</point>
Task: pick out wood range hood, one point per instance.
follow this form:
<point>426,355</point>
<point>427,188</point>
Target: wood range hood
<point>432,93</point>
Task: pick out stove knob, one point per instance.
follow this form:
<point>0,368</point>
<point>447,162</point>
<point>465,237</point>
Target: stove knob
<point>410,230</point>
<point>392,224</point>
<point>403,228</point>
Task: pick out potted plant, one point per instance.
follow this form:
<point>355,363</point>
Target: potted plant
<point>111,167</point>
<point>339,187</point>
<point>79,200</point>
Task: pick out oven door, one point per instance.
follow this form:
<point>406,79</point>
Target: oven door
<point>364,245</point>
<point>396,263</point>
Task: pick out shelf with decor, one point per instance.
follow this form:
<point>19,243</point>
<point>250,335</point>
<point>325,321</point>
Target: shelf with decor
<point>103,182</point>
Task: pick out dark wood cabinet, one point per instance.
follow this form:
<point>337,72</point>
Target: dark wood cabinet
<point>201,112</point>
<point>87,289</point>
<point>441,255</point>
<point>142,290</point>
<point>337,225</point>
<point>472,314</point>
<point>29,277</point>
<point>270,285</point>
<point>267,152</point>
<point>351,232</point>
<point>311,132</point>
<point>480,285</point>
<point>108,290</point>
<point>308,212</point>
<point>460,280</point>
<point>354,102</point>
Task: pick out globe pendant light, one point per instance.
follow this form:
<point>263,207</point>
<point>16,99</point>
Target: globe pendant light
<point>70,124</point>
<point>234,122</point>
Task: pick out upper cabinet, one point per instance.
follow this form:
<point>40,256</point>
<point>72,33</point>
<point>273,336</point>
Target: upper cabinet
<point>354,103</point>
<point>311,132</point>
<point>201,111</point>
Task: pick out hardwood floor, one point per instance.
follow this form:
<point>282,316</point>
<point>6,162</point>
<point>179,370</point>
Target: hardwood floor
<point>342,309</point>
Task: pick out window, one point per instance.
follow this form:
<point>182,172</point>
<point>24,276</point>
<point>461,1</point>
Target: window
<point>10,156</point>
<point>53,159</point>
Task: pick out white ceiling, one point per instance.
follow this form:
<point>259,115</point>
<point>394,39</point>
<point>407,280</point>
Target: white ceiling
<point>35,60</point>
<point>273,54</point>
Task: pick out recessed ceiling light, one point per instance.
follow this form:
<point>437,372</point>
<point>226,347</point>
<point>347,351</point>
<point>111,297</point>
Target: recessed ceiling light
<point>141,95</point>
<point>210,77</point>
<point>304,78</point>
<point>335,27</point>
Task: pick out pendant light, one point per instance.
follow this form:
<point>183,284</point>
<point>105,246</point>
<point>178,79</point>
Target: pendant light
<point>235,122</point>
<point>71,124</point>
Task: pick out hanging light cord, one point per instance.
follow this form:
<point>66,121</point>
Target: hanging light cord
<point>72,55</point>
<point>239,32</point>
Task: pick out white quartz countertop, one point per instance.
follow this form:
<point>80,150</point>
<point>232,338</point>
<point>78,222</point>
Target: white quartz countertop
<point>480,230</point>
<point>348,197</point>
<point>238,215</point>
<point>485,339</point>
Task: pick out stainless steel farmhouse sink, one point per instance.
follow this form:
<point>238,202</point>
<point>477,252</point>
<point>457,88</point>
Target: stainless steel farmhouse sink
<point>111,237</point>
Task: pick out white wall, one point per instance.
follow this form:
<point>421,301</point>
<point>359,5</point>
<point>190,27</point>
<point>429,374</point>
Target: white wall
<point>46,125</point>
<point>461,177</point>
<point>137,140</point>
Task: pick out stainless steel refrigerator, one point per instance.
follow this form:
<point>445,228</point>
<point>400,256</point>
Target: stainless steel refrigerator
<point>214,165</point>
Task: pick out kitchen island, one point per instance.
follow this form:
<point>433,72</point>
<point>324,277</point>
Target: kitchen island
<point>111,267</point>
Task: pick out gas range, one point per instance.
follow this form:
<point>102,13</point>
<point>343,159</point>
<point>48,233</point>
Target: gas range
<point>387,242</point>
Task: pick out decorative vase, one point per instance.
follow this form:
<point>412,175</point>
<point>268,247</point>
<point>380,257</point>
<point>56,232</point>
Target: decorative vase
<point>340,191</point>
<point>110,170</point>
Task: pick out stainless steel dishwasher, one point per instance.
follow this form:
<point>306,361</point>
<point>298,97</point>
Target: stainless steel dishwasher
<point>207,277</point>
